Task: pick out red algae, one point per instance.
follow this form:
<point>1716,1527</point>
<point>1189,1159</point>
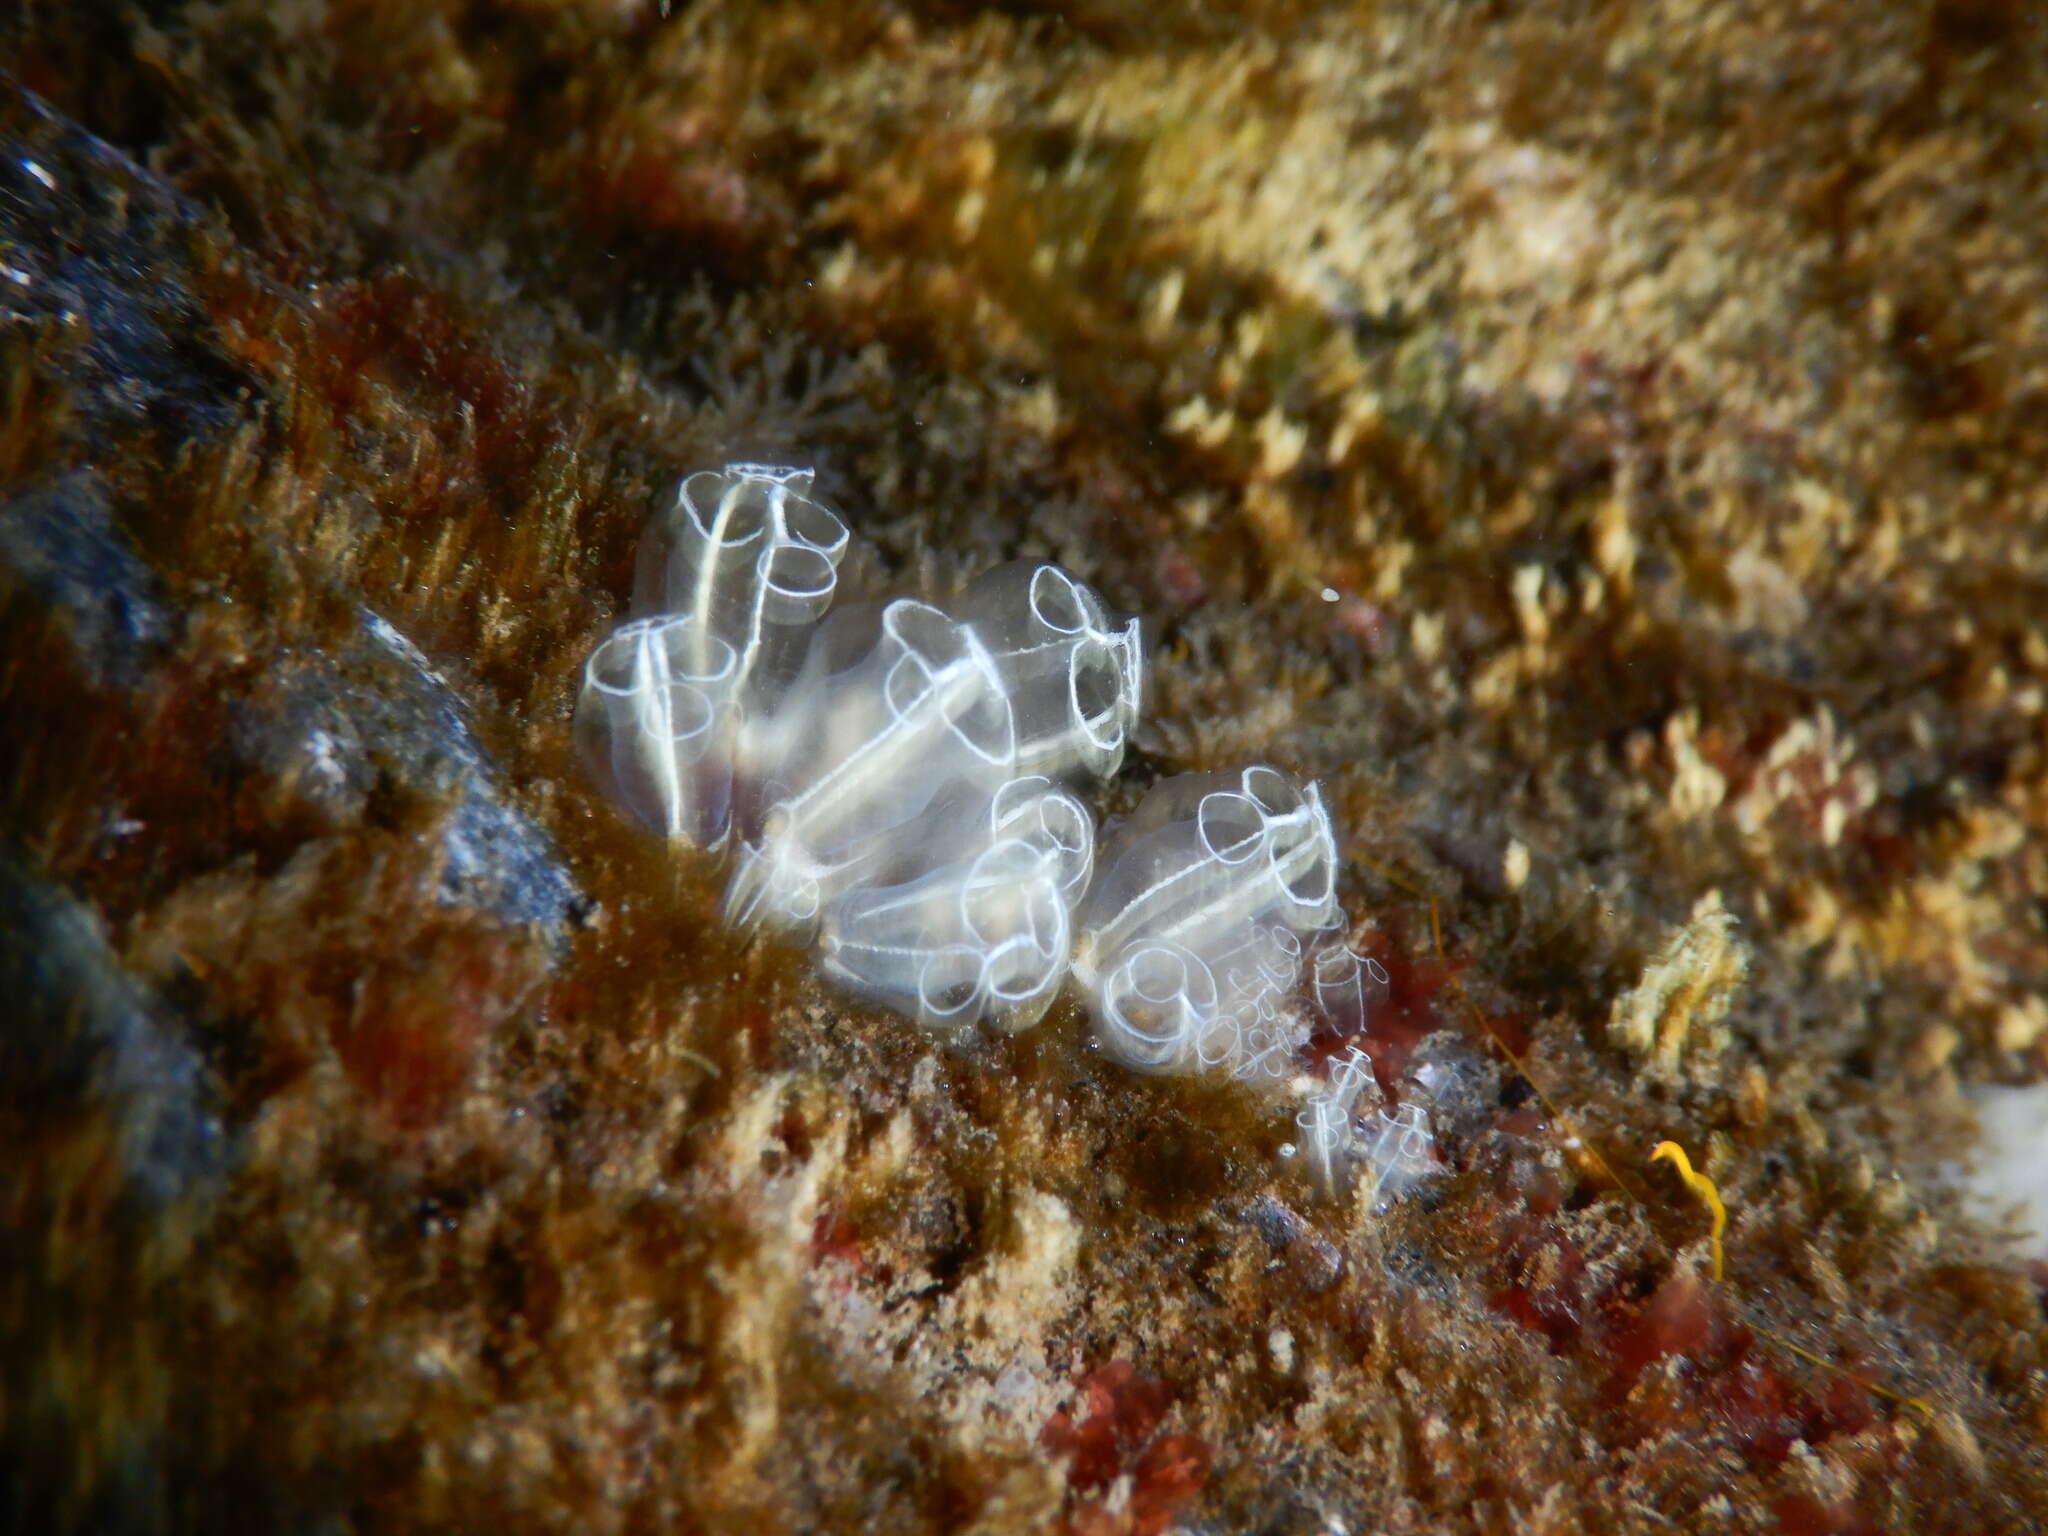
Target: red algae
<point>1537,429</point>
<point>1722,1379</point>
<point>1800,1515</point>
<point>1116,1436</point>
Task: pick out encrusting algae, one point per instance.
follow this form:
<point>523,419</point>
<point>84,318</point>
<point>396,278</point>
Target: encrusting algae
<point>1602,452</point>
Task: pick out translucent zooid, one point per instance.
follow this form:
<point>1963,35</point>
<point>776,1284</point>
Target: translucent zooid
<point>891,713</point>
<point>1073,678</point>
<point>654,722</point>
<point>1353,1140</point>
<point>1327,1119</point>
<point>1188,946</point>
<point>743,556</point>
<point>1342,981</point>
<point>983,936</point>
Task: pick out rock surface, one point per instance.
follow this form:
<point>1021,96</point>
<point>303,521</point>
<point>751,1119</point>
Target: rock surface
<point>1605,449</point>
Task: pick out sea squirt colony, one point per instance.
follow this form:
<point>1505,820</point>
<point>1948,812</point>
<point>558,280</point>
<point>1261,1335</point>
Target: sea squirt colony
<point>892,786</point>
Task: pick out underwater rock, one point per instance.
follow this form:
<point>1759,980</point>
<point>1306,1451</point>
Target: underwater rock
<point>96,257</point>
<point>1601,449</point>
<point>61,543</point>
<point>335,733</point>
<point>84,1036</point>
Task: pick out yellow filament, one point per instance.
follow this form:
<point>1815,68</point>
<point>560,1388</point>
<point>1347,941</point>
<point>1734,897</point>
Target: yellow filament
<point>1702,1186</point>
<point>1697,1182</point>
